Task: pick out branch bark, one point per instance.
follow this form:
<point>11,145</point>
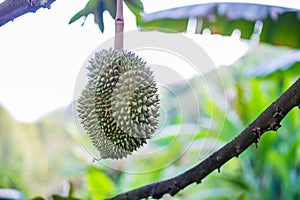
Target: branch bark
<point>268,120</point>
<point>11,9</point>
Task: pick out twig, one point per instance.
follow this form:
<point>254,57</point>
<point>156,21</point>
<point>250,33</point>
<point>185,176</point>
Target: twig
<point>268,120</point>
<point>11,9</point>
<point>119,26</point>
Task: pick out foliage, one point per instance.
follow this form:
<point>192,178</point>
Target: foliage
<point>224,18</point>
<point>271,170</point>
<point>36,158</point>
<point>281,62</point>
<point>259,173</point>
<point>220,18</point>
<point>98,7</point>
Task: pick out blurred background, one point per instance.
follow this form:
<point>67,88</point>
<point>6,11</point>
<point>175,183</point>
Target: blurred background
<point>256,51</point>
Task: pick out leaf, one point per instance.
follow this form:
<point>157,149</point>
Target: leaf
<point>111,5</point>
<point>71,190</point>
<point>224,18</point>
<point>136,7</point>
<point>165,140</point>
<point>88,9</point>
<point>135,3</point>
<point>98,7</point>
<point>283,62</point>
<point>78,15</point>
<point>285,30</point>
<point>101,186</point>
<point>165,25</point>
<point>95,7</point>
<point>98,15</point>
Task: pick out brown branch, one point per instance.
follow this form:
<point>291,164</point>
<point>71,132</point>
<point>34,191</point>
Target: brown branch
<point>119,26</point>
<point>268,120</point>
<point>11,9</point>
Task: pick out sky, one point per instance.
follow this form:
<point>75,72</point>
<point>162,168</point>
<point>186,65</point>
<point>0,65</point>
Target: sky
<point>41,55</point>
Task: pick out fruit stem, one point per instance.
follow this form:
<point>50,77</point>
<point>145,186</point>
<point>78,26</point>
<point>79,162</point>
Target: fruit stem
<point>119,26</point>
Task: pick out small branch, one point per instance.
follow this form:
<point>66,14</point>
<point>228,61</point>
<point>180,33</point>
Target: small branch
<point>268,120</point>
<point>119,26</point>
<point>11,9</point>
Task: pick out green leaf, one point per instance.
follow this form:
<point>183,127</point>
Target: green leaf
<point>135,3</point>
<point>164,141</point>
<point>111,5</point>
<point>98,7</point>
<point>225,27</point>
<point>136,7</point>
<point>95,7</point>
<point>78,15</point>
<point>100,185</point>
<point>224,18</point>
<point>88,9</point>
<point>165,25</point>
<point>98,15</point>
<point>283,31</point>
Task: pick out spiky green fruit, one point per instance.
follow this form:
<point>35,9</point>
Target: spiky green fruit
<point>119,106</point>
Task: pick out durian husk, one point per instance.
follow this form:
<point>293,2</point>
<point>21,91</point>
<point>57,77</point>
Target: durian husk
<point>119,105</point>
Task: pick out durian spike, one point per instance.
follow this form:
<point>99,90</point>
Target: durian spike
<point>119,26</point>
<point>119,107</point>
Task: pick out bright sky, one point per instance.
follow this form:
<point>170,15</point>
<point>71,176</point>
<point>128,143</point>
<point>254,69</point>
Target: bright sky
<point>41,55</point>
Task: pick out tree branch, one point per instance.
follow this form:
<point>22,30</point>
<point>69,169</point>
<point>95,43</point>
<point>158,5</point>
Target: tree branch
<point>11,9</point>
<point>268,120</point>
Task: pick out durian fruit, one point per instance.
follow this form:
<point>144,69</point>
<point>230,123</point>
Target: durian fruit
<point>119,105</point>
